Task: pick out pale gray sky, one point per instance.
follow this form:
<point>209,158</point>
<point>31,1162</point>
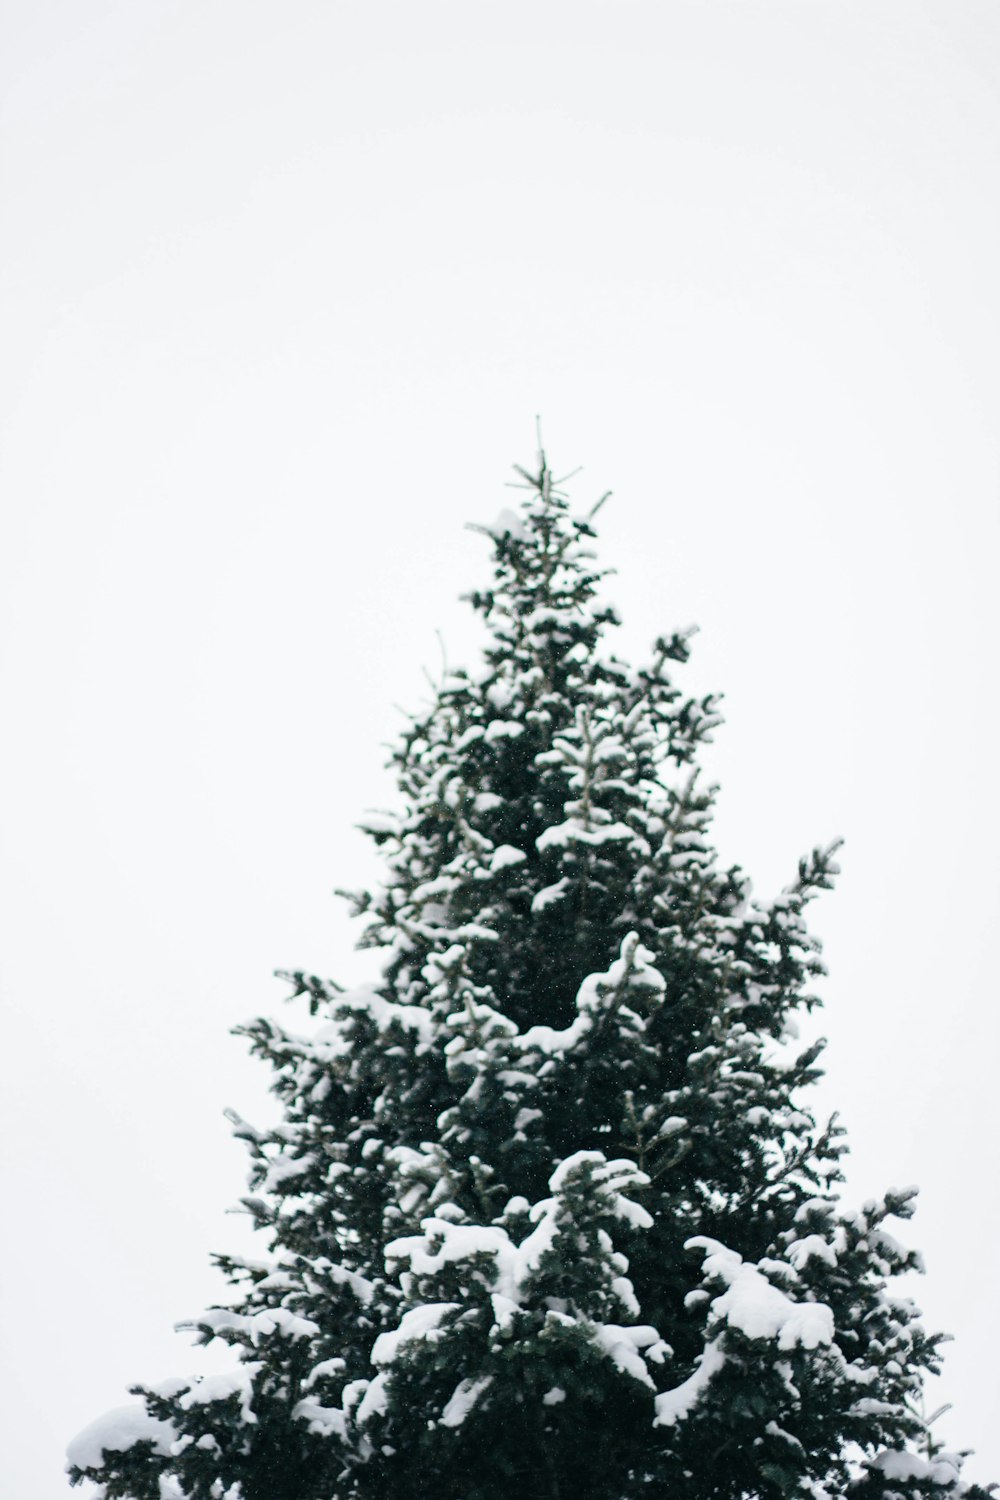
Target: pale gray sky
<point>283,289</point>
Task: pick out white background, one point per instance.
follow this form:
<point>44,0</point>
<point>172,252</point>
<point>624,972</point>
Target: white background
<point>284,288</point>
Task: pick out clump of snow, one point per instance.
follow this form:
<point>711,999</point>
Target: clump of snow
<point>365,999</point>
<point>611,1176</point>
<point>821,1207</point>
<point>255,1325</point>
<point>283,1168</point>
<point>376,822</point>
<point>621,1345</point>
<point>463,1399</point>
<point>419,1323</point>
<point>560,835</point>
<point>549,895</point>
<point>812,1247</point>
<point>325,1421</point>
<point>634,966</point>
<point>553,1041</point>
<point>673,1406</point>
<point>507,523</point>
<point>374,1401</point>
<point>362,1288</point>
<point>502,729</point>
<point>942,1470</point>
<point>236,1382</point>
<point>118,1431</point>
<point>759,1309</point>
<point>506,855</point>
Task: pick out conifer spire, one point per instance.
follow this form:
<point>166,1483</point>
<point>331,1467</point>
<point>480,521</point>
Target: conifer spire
<point>547,1212</point>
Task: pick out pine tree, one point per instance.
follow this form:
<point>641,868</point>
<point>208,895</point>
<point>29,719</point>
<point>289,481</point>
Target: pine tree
<point>546,1213</point>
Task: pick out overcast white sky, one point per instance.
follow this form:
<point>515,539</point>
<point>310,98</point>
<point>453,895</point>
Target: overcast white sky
<point>283,289</point>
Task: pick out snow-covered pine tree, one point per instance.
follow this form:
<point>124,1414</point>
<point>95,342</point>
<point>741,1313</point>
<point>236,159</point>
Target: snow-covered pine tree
<point>546,1213</point>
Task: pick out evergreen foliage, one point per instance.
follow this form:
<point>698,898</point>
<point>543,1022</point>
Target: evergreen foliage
<point>546,1213</point>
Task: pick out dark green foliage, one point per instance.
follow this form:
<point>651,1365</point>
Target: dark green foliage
<point>547,1215</point>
